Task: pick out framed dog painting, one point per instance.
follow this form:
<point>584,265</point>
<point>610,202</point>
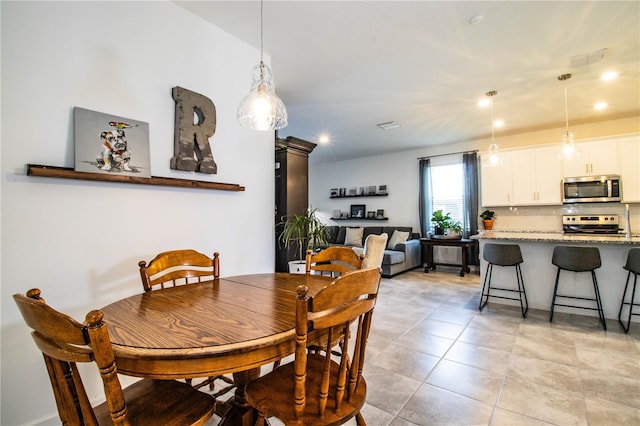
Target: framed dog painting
<point>109,144</point>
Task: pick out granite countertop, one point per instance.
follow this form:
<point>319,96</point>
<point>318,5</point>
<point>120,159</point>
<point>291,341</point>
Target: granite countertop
<point>557,237</point>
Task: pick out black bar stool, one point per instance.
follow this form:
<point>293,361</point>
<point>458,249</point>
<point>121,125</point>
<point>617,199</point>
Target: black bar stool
<point>578,259</point>
<point>503,255</point>
<point>633,266</point>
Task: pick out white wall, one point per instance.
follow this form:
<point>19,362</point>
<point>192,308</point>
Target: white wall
<point>80,241</point>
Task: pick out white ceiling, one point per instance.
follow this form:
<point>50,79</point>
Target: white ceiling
<point>341,67</point>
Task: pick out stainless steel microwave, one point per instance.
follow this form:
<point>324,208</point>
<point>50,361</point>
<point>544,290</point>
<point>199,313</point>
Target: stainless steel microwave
<point>591,189</point>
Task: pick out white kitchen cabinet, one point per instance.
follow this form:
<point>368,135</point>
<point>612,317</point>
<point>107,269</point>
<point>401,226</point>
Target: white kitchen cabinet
<point>630,168</point>
<point>495,182</point>
<point>536,176</point>
<point>593,159</point>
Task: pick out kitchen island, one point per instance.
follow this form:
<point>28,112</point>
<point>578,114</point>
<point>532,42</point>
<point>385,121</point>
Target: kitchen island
<point>539,273</point>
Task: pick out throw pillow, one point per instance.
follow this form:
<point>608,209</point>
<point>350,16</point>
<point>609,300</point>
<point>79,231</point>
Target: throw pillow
<point>397,237</point>
<point>354,237</point>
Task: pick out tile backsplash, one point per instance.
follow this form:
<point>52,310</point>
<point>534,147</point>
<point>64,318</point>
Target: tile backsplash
<point>549,218</point>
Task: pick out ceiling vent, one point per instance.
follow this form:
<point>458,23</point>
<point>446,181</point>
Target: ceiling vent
<point>588,58</point>
<point>388,125</point>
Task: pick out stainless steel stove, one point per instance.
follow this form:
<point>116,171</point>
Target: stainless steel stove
<point>591,224</point>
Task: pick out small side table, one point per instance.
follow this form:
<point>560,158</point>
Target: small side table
<point>427,252</point>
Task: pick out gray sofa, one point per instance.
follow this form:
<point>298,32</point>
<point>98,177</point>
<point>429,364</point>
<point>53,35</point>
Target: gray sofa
<point>403,257</point>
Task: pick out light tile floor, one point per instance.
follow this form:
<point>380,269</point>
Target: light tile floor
<point>434,359</point>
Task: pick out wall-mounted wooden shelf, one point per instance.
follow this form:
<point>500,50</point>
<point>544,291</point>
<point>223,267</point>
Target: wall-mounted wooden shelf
<point>361,218</point>
<point>358,196</point>
<point>69,173</point>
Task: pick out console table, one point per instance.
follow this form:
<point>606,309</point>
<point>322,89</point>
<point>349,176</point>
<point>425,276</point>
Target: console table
<point>427,252</point>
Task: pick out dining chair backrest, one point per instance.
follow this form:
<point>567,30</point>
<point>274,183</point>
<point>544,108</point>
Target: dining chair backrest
<point>177,267</point>
<point>317,388</point>
<point>333,261</point>
<point>64,342</point>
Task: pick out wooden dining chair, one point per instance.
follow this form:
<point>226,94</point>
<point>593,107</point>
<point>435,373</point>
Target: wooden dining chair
<point>333,261</point>
<point>316,389</point>
<point>64,342</point>
<point>177,267</point>
<point>180,267</point>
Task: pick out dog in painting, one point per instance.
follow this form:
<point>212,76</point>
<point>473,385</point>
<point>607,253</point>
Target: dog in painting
<point>115,151</point>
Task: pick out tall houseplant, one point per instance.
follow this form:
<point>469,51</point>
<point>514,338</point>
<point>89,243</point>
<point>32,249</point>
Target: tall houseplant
<point>303,231</point>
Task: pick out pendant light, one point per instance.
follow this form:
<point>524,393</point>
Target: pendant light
<point>262,109</point>
<point>568,147</point>
<point>494,158</point>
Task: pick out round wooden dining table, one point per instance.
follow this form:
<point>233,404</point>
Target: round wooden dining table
<point>227,325</point>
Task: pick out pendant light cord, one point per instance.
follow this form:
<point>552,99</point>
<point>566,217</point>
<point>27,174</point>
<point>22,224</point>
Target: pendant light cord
<point>566,110</point>
<point>492,124</point>
<point>261,32</point>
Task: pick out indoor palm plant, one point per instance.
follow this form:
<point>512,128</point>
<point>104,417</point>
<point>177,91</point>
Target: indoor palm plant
<point>302,232</point>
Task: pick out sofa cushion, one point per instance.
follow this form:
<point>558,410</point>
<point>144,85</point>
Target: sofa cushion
<point>368,230</point>
<point>332,234</point>
<point>342,232</point>
<point>389,229</point>
<point>397,237</point>
<point>392,257</point>
<point>353,237</point>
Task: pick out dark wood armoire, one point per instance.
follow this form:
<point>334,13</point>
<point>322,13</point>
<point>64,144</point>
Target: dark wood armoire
<point>292,188</point>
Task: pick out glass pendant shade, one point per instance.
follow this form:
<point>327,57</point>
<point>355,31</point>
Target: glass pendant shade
<point>493,159</point>
<point>568,146</point>
<point>262,109</point>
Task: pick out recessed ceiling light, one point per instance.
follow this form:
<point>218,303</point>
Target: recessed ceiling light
<point>388,125</point>
<point>609,75</point>
<point>483,103</point>
<point>600,105</point>
<point>324,139</point>
<point>498,123</point>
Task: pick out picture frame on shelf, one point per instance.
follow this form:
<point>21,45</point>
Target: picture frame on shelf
<point>382,189</point>
<point>361,191</point>
<point>371,190</point>
<point>358,210</point>
<point>335,192</point>
<point>380,214</point>
<point>110,144</point>
<point>337,214</point>
<point>344,215</point>
<point>343,192</point>
<point>371,215</point>
<point>353,192</point>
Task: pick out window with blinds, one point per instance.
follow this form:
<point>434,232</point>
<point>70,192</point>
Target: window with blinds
<point>447,182</point>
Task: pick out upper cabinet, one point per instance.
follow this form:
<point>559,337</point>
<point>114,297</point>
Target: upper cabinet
<point>533,176</point>
<point>496,182</point>
<point>630,168</point>
<point>594,158</point>
<point>537,176</point>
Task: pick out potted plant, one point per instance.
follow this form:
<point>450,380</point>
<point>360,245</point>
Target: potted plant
<point>445,226</point>
<point>487,219</point>
<point>440,222</point>
<point>454,230</point>
<point>301,232</point>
